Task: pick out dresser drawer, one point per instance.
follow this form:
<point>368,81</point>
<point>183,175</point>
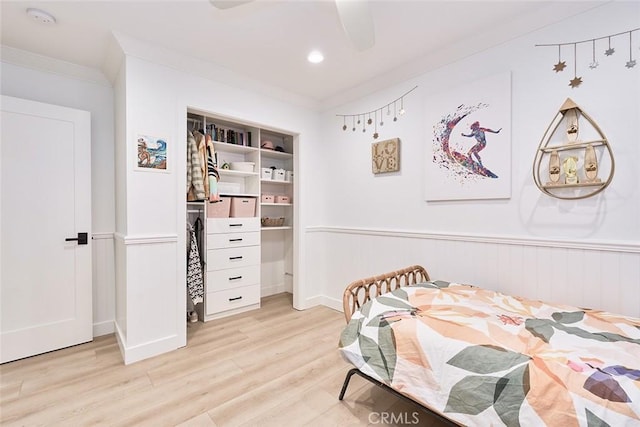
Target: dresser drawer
<point>229,299</point>
<point>232,278</point>
<point>220,259</point>
<point>232,225</point>
<point>231,240</point>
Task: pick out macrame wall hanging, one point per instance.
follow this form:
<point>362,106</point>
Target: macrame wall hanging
<point>619,40</point>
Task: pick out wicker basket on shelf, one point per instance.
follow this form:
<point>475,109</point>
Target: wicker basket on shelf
<point>272,222</point>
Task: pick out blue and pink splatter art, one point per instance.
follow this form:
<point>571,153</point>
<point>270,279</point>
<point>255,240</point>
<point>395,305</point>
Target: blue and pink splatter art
<point>459,166</point>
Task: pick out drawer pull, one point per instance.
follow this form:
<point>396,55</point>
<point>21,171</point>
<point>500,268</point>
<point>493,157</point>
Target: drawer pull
<point>235,225</point>
<point>235,278</point>
<point>232,258</point>
<point>235,299</point>
<point>235,240</point>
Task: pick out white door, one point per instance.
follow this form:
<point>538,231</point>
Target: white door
<point>45,180</point>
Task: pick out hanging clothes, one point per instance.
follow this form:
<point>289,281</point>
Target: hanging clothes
<point>198,227</point>
<point>195,179</point>
<point>212,171</point>
<point>195,280</point>
<point>202,160</point>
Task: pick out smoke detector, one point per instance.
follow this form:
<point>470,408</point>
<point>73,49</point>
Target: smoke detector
<point>41,16</point>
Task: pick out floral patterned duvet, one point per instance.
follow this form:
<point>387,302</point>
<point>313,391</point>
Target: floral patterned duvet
<point>483,358</point>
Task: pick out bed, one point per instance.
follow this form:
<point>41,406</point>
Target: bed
<point>472,356</point>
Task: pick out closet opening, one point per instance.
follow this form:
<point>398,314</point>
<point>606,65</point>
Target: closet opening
<point>240,217</point>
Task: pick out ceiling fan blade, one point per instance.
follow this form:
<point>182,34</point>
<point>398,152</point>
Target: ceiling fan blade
<point>228,4</point>
<point>357,22</point>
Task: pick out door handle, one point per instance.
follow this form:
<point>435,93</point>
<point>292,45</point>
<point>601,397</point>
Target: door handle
<point>82,239</point>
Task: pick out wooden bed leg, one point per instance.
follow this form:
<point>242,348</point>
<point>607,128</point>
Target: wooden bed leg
<point>346,382</point>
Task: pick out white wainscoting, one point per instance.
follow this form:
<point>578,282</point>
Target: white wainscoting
<point>149,322</point>
<point>601,275</point>
<point>104,287</point>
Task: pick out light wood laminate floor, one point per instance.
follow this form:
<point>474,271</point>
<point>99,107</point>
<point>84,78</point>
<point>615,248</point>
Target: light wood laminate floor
<point>275,366</point>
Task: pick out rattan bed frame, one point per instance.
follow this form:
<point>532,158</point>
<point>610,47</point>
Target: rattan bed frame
<point>361,291</point>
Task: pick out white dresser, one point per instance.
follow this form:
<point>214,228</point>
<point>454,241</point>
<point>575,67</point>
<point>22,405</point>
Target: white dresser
<point>232,283</point>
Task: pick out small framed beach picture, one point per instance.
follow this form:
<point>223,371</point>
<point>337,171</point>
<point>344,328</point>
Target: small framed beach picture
<point>152,153</point>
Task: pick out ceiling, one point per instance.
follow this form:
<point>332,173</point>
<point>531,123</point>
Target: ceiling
<point>268,41</point>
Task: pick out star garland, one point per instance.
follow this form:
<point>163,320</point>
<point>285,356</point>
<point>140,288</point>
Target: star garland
<point>376,113</point>
<point>576,81</point>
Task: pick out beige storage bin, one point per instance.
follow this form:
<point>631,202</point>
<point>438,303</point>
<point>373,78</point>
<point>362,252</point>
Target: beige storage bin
<point>283,199</point>
<point>219,209</point>
<point>243,207</point>
<point>267,198</point>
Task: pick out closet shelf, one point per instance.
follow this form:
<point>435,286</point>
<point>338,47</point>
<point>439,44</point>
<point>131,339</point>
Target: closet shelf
<point>276,204</point>
<point>285,227</point>
<point>271,154</point>
<point>229,172</point>
<point>273,181</point>
<point>233,148</point>
<point>239,194</point>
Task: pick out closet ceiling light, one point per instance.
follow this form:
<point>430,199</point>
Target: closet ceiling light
<point>315,57</point>
<point>41,16</point>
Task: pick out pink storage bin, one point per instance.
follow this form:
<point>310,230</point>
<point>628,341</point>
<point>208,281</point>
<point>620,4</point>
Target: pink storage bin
<point>283,199</point>
<point>219,209</point>
<point>267,198</point>
<point>243,207</point>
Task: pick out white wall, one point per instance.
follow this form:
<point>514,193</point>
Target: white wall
<point>88,91</point>
<point>157,98</point>
<point>372,223</point>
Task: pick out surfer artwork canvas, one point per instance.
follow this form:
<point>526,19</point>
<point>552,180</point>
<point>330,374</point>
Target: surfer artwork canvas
<point>468,147</point>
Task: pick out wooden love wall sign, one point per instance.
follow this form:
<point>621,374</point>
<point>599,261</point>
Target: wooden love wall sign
<point>385,156</point>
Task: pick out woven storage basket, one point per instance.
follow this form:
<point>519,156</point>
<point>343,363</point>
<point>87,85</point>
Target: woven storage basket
<point>272,222</point>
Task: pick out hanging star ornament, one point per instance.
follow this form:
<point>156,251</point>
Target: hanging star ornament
<point>631,62</point>
<point>559,66</point>
<point>594,64</point>
<point>575,82</point>
<point>609,51</point>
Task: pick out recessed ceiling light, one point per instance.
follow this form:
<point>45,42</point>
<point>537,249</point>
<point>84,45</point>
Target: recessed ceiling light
<point>315,57</point>
<point>41,16</point>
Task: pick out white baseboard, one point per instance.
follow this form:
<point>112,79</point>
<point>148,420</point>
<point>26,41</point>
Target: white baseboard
<point>103,328</point>
<point>333,303</point>
<point>146,350</point>
<point>266,291</point>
